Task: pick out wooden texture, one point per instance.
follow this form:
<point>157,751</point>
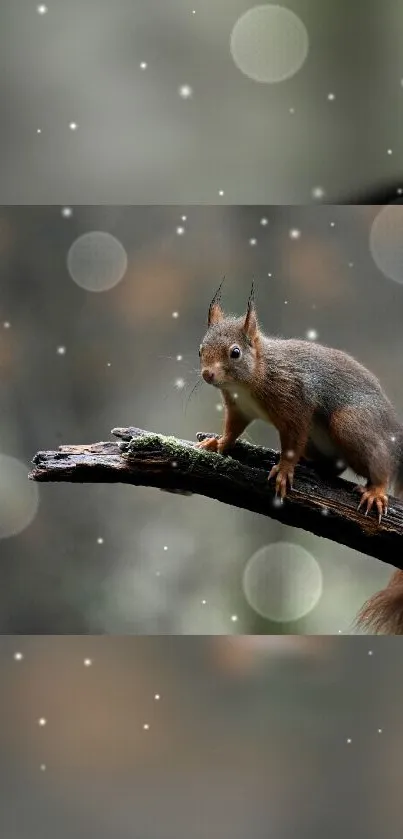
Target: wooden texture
<point>325,508</point>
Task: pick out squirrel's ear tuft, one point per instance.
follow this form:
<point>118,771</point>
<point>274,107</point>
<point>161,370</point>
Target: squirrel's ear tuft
<point>215,312</point>
<point>251,326</point>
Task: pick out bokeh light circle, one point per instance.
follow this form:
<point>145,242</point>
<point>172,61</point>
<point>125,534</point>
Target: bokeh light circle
<point>19,497</point>
<point>269,43</point>
<point>97,261</point>
<point>386,241</point>
<point>282,582</point>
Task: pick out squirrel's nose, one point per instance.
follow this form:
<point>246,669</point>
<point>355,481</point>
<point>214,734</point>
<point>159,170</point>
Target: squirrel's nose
<point>208,376</point>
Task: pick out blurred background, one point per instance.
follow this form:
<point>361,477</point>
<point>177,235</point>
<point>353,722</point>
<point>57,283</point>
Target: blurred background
<point>142,737</point>
<point>101,315</point>
<point>183,101</point>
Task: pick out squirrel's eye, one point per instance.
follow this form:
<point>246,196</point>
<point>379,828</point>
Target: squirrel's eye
<point>235,352</point>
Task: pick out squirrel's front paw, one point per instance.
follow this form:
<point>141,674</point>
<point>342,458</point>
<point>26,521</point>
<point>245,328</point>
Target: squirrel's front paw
<point>215,444</point>
<point>210,443</point>
<point>284,473</point>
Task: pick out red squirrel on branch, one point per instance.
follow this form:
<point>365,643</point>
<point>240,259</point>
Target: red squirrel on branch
<point>326,407</point>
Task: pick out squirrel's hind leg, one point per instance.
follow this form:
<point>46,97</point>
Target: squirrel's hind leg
<point>367,452</point>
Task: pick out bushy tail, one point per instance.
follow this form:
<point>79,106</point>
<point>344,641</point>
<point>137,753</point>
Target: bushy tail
<point>383,613</point>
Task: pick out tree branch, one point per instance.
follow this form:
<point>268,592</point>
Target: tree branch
<point>323,507</point>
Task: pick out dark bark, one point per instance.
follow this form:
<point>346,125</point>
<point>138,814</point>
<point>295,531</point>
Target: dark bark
<point>324,507</point>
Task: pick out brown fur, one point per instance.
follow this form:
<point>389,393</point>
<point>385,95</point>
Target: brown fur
<point>383,612</point>
<point>325,405</point>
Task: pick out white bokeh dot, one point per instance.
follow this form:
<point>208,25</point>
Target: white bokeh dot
<point>282,582</point>
<point>19,497</point>
<point>97,261</point>
<point>185,91</point>
<point>269,43</point>
<point>386,241</point>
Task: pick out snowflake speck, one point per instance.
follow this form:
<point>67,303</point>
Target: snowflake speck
<point>6,324</point>
<point>312,334</point>
<point>291,110</point>
<point>61,350</point>
<point>179,357</point>
<point>252,242</point>
<point>73,126</point>
<point>157,697</point>
<point>100,540</point>
<point>143,65</point>
<point>87,662</point>
<point>295,234</point>
<point>234,618</point>
<point>331,97</point>
<point>389,151</point>
<point>264,221</point>
<point>221,192</point>
<point>175,314</point>
<point>67,212</point>
<point>18,656</point>
<point>42,721</point>
<point>318,192</point>
<point>180,230</point>
<point>43,767</point>
<point>180,384</point>
<point>42,9</point>
<point>185,91</point>
<point>349,740</point>
<point>146,726</point>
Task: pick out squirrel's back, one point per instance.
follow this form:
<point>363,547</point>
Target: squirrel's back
<point>330,379</point>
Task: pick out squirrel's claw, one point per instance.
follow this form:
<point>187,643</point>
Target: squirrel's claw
<point>284,478</point>
<point>371,496</point>
<point>210,443</point>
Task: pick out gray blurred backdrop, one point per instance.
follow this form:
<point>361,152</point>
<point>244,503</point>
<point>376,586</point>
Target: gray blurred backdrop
<point>75,363</point>
<point>148,738</point>
<point>114,71</point>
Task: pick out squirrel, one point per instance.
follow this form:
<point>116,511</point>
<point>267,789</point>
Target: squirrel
<point>327,408</point>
